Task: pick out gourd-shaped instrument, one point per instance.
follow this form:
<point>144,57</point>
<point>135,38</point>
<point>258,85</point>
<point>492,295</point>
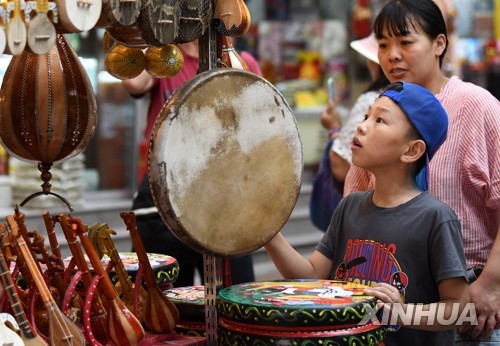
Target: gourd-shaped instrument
<point>61,330</point>
<point>48,111</point>
<point>164,61</point>
<point>124,62</point>
<point>160,314</point>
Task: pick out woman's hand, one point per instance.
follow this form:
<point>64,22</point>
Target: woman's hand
<point>329,117</point>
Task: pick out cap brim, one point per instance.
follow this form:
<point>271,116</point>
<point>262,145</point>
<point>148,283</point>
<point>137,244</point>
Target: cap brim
<point>367,47</point>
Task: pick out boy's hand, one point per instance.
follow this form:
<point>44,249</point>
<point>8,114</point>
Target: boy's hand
<point>385,293</point>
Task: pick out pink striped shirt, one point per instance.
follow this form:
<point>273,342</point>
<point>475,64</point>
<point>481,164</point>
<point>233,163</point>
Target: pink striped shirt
<point>465,171</point>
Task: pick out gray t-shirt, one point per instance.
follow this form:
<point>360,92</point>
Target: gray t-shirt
<point>412,246</point>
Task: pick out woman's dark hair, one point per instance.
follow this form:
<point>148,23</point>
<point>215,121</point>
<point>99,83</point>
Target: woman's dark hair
<point>380,83</point>
<point>398,15</point>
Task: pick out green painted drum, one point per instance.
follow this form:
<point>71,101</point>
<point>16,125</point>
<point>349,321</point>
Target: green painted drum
<point>296,312</point>
<point>190,301</point>
<point>165,268</point>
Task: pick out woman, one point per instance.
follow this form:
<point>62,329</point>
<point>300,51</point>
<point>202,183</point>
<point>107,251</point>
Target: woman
<point>465,172</point>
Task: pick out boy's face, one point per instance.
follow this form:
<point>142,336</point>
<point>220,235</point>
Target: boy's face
<point>382,138</point>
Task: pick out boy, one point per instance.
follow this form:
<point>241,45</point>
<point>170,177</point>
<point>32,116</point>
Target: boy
<point>398,239</point>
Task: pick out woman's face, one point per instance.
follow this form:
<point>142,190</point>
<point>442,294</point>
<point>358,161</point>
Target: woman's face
<point>411,58</point>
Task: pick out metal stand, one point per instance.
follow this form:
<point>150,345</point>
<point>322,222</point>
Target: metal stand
<point>213,283</point>
<point>212,265</point>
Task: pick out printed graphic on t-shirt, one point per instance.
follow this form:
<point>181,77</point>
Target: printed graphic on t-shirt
<point>368,262</point>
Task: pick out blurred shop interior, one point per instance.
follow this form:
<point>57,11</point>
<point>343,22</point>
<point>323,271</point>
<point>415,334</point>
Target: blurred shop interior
<point>298,43</point>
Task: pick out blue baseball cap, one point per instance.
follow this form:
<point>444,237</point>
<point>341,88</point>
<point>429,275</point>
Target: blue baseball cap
<point>427,115</point>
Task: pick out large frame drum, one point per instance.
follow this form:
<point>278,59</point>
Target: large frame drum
<point>225,162</point>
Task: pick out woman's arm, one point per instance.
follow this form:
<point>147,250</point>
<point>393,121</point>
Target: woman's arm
<point>339,166</point>
<point>139,85</point>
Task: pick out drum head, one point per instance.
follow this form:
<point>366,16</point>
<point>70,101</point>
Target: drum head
<point>225,162</point>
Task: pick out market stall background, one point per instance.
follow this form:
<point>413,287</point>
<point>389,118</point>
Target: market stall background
<point>298,43</point>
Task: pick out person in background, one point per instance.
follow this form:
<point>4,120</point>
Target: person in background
<point>398,239</point>
<point>340,153</point>
<point>465,172</point>
<point>157,238</point>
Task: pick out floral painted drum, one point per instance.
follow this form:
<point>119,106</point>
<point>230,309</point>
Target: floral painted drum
<point>297,312</point>
<point>190,301</point>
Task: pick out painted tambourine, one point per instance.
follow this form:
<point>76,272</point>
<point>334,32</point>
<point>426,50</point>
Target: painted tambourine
<point>225,162</point>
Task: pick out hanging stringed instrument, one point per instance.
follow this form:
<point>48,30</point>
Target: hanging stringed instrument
<point>77,15</point>
<point>16,31</point>
<point>157,22</point>
<point>3,27</point>
<point>191,19</point>
<point>160,314</point>
<point>98,312</point>
<point>232,17</point>
<point>227,55</point>
<point>121,12</point>
<point>28,333</point>
<point>49,110</point>
<point>124,328</point>
<point>61,330</point>
<point>133,297</point>
<point>41,31</point>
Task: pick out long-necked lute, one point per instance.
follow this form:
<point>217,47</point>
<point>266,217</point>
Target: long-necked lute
<point>27,332</point>
<point>133,297</point>
<point>61,330</point>
<point>160,314</point>
<point>98,318</point>
<point>125,329</point>
<point>35,310</point>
